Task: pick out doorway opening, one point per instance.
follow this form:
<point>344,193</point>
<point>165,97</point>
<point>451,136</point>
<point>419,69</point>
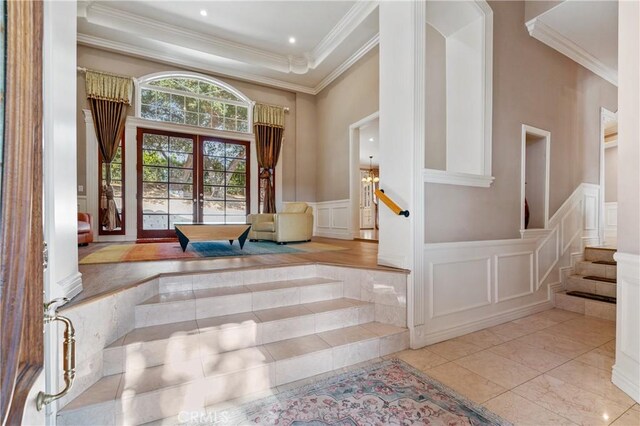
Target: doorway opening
<point>609,178</point>
<point>185,178</point>
<point>365,178</point>
<point>536,144</point>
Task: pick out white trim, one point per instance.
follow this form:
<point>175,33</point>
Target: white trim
<point>456,178</point>
<point>354,172</point>
<point>197,64</point>
<point>605,117</point>
<point>72,285</point>
<point>526,129</point>
<point>547,35</point>
<point>609,145</point>
<point>337,215</point>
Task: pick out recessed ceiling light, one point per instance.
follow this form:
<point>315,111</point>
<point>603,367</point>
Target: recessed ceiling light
<point>370,139</point>
<point>203,12</point>
<point>292,40</point>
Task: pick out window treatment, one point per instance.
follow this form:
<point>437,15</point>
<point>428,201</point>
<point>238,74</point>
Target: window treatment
<point>109,98</point>
<point>269,131</point>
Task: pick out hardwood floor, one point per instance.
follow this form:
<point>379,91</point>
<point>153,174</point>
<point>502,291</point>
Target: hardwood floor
<point>102,279</point>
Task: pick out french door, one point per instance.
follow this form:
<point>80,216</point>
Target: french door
<point>189,178</point>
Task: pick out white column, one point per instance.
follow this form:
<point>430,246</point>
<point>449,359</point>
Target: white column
<point>626,371</point>
<point>402,130</point>
<point>60,172</point>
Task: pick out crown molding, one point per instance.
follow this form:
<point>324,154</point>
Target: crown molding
<point>373,42</point>
<point>200,64</point>
<point>196,64</point>
<point>349,22</point>
<point>112,18</point>
<point>547,35</point>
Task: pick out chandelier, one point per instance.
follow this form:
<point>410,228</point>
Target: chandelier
<point>370,177</point>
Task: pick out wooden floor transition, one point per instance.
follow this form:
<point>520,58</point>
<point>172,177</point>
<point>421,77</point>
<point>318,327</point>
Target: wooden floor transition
<point>99,280</point>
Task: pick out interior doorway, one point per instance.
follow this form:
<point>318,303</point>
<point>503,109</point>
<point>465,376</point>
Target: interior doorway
<point>365,177</point>
<point>609,178</point>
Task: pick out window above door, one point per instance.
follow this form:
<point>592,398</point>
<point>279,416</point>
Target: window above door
<point>194,100</point>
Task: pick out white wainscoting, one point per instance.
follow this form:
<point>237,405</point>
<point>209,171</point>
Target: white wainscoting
<point>476,284</point>
<point>82,203</point>
<point>611,222</point>
<point>331,219</point>
<point>626,371</point>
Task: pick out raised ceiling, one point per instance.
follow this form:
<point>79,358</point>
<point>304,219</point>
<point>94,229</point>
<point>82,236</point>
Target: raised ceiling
<point>585,31</point>
<point>244,39</point>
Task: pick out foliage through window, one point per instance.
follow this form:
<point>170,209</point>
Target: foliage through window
<point>194,101</point>
<point>117,175</point>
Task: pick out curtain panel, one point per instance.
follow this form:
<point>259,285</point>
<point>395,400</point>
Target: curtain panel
<point>109,98</point>
<point>269,132</point>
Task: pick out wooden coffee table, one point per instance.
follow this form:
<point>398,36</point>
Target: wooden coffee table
<point>191,232</point>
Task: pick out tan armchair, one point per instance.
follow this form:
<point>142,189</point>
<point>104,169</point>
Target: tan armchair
<point>294,223</point>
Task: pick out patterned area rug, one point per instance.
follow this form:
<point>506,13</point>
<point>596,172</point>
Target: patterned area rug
<point>131,252</point>
<point>385,393</point>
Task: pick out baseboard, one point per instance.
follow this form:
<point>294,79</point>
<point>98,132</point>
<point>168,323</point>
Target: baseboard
<point>622,381</point>
<point>338,234</point>
<point>72,285</point>
<point>392,260</point>
<point>422,340</point>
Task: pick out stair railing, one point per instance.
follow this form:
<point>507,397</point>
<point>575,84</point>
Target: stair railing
<point>391,204</point>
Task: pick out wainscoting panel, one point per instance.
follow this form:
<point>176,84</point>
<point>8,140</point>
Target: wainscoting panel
<point>472,285</point>
<point>610,221</point>
<point>331,219</point>
<point>447,278</point>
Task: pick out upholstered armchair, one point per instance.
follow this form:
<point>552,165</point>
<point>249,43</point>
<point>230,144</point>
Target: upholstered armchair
<point>294,223</point>
<point>85,229</point>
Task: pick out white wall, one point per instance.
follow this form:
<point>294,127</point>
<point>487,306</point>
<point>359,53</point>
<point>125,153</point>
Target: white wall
<point>626,371</point>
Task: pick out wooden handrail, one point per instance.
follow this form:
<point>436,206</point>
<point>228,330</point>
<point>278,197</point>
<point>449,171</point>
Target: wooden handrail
<point>389,203</point>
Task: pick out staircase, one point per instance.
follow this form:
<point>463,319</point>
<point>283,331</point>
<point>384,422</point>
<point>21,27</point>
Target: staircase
<point>592,289</point>
<point>192,349</point>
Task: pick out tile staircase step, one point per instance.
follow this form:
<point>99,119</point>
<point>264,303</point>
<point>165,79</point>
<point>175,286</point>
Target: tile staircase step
<point>585,306</point>
<point>595,254</point>
<point>174,342</point>
<point>606,262</point>
<point>167,308</point>
<point>152,393</point>
<point>588,284</point>
<point>595,268</point>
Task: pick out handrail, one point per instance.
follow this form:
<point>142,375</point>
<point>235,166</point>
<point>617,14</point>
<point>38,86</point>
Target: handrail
<point>389,202</point>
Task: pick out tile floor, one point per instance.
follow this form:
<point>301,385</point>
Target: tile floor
<point>551,368</point>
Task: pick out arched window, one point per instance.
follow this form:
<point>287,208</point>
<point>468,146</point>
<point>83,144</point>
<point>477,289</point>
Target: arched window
<point>194,100</point>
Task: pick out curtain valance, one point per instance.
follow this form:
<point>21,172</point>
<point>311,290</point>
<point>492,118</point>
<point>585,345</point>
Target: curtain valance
<point>269,115</point>
<point>109,87</point>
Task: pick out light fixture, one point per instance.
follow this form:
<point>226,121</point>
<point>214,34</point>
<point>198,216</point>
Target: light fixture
<point>371,176</point>
<point>203,12</point>
<point>292,40</point>
<point>370,139</point>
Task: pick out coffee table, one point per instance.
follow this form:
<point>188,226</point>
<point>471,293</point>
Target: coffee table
<point>191,232</point>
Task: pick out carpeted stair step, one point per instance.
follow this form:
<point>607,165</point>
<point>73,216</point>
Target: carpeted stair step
<point>190,305</point>
<point>182,341</point>
<point>588,285</point>
<point>152,393</point>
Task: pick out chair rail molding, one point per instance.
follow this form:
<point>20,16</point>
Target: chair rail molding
<point>471,285</point>
<point>332,219</point>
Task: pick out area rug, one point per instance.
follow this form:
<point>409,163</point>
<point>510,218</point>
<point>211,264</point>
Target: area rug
<point>131,252</point>
<point>385,393</point>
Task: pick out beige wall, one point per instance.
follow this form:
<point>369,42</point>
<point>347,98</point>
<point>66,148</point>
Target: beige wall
<point>533,84</point>
<point>353,96</point>
<point>298,176</point>
<point>611,175</point>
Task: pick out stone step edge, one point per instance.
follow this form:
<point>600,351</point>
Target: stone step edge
<point>593,278</point>
<point>324,282</point>
<point>64,410</point>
